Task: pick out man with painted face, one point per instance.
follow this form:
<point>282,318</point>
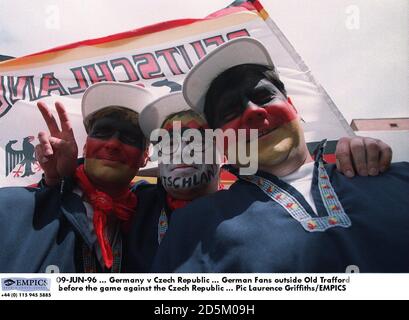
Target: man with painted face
<point>78,226</point>
<point>178,185</point>
<point>179,182</point>
<point>294,214</point>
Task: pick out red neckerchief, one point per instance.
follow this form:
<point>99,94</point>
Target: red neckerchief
<point>174,204</point>
<point>122,206</point>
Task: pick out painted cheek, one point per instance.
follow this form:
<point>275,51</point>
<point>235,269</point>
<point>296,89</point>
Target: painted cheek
<point>194,124</point>
<point>191,124</point>
<point>133,155</point>
<point>280,114</point>
<point>124,153</point>
<point>164,169</point>
<point>234,125</point>
<point>93,146</point>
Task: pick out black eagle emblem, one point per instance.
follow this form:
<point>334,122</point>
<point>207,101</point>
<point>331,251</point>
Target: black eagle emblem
<point>21,158</point>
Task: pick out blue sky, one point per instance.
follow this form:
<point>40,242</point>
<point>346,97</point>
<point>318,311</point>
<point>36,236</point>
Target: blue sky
<point>357,49</point>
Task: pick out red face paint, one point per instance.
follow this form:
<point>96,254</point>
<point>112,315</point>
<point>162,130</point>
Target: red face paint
<point>114,151</point>
<point>266,118</point>
<point>270,116</point>
<point>187,121</point>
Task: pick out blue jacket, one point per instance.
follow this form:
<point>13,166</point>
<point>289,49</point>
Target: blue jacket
<point>142,240</point>
<point>244,230</point>
<point>48,227</point>
<point>41,227</point>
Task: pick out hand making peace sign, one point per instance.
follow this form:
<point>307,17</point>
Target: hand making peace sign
<point>57,151</point>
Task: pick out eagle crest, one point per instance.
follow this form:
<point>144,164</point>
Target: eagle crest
<point>20,158</point>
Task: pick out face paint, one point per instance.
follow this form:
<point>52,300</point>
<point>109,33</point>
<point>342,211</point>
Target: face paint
<point>264,108</point>
<point>109,127</point>
<point>258,104</point>
<point>187,177</point>
<point>109,159</point>
<point>266,118</point>
<point>113,152</point>
<point>177,127</point>
<point>188,120</point>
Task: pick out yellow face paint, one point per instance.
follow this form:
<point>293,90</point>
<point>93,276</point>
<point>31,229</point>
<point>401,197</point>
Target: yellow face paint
<point>188,119</point>
<point>276,146</point>
<point>109,172</point>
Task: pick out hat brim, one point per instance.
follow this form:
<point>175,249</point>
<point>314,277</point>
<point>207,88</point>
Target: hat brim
<point>244,50</point>
<point>155,113</point>
<point>107,94</point>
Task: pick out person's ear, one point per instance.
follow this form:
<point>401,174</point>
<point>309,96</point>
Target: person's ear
<point>292,105</point>
<point>145,158</point>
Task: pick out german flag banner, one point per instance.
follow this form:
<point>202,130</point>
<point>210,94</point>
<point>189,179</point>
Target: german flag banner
<point>157,57</point>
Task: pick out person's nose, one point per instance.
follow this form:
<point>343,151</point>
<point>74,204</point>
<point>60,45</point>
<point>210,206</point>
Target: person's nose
<point>113,143</point>
<point>254,117</point>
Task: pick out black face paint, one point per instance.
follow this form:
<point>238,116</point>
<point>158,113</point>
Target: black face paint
<point>230,93</point>
<point>189,182</point>
<point>211,173</point>
<point>174,182</point>
<point>204,177</point>
<point>109,127</point>
<point>196,180</point>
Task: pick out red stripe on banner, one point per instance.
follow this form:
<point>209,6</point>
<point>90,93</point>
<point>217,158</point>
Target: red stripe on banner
<point>258,5</point>
<point>123,35</point>
<point>246,6</point>
<point>161,26</point>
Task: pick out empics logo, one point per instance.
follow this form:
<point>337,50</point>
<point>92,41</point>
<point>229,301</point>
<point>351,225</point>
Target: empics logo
<point>9,282</point>
<point>25,284</point>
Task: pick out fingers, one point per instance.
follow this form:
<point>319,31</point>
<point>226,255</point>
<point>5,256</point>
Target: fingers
<point>344,158</point>
<point>60,146</point>
<point>44,148</point>
<point>48,147</point>
<point>40,155</point>
<point>50,175</point>
<point>369,156</point>
<point>372,156</point>
<point>49,118</point>
<point>385,157</point>
<point>357,146</point>
<point>65,121</point>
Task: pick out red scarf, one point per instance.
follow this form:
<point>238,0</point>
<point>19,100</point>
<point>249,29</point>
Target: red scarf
<point>123,207</point>
<point>177,203</point>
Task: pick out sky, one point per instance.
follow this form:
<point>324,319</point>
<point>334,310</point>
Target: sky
<point>357,49</point>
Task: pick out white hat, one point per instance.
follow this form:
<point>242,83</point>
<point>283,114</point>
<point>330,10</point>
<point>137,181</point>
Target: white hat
<point>243,50</point>
<point>107,94</point>
<point>155,113</point>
